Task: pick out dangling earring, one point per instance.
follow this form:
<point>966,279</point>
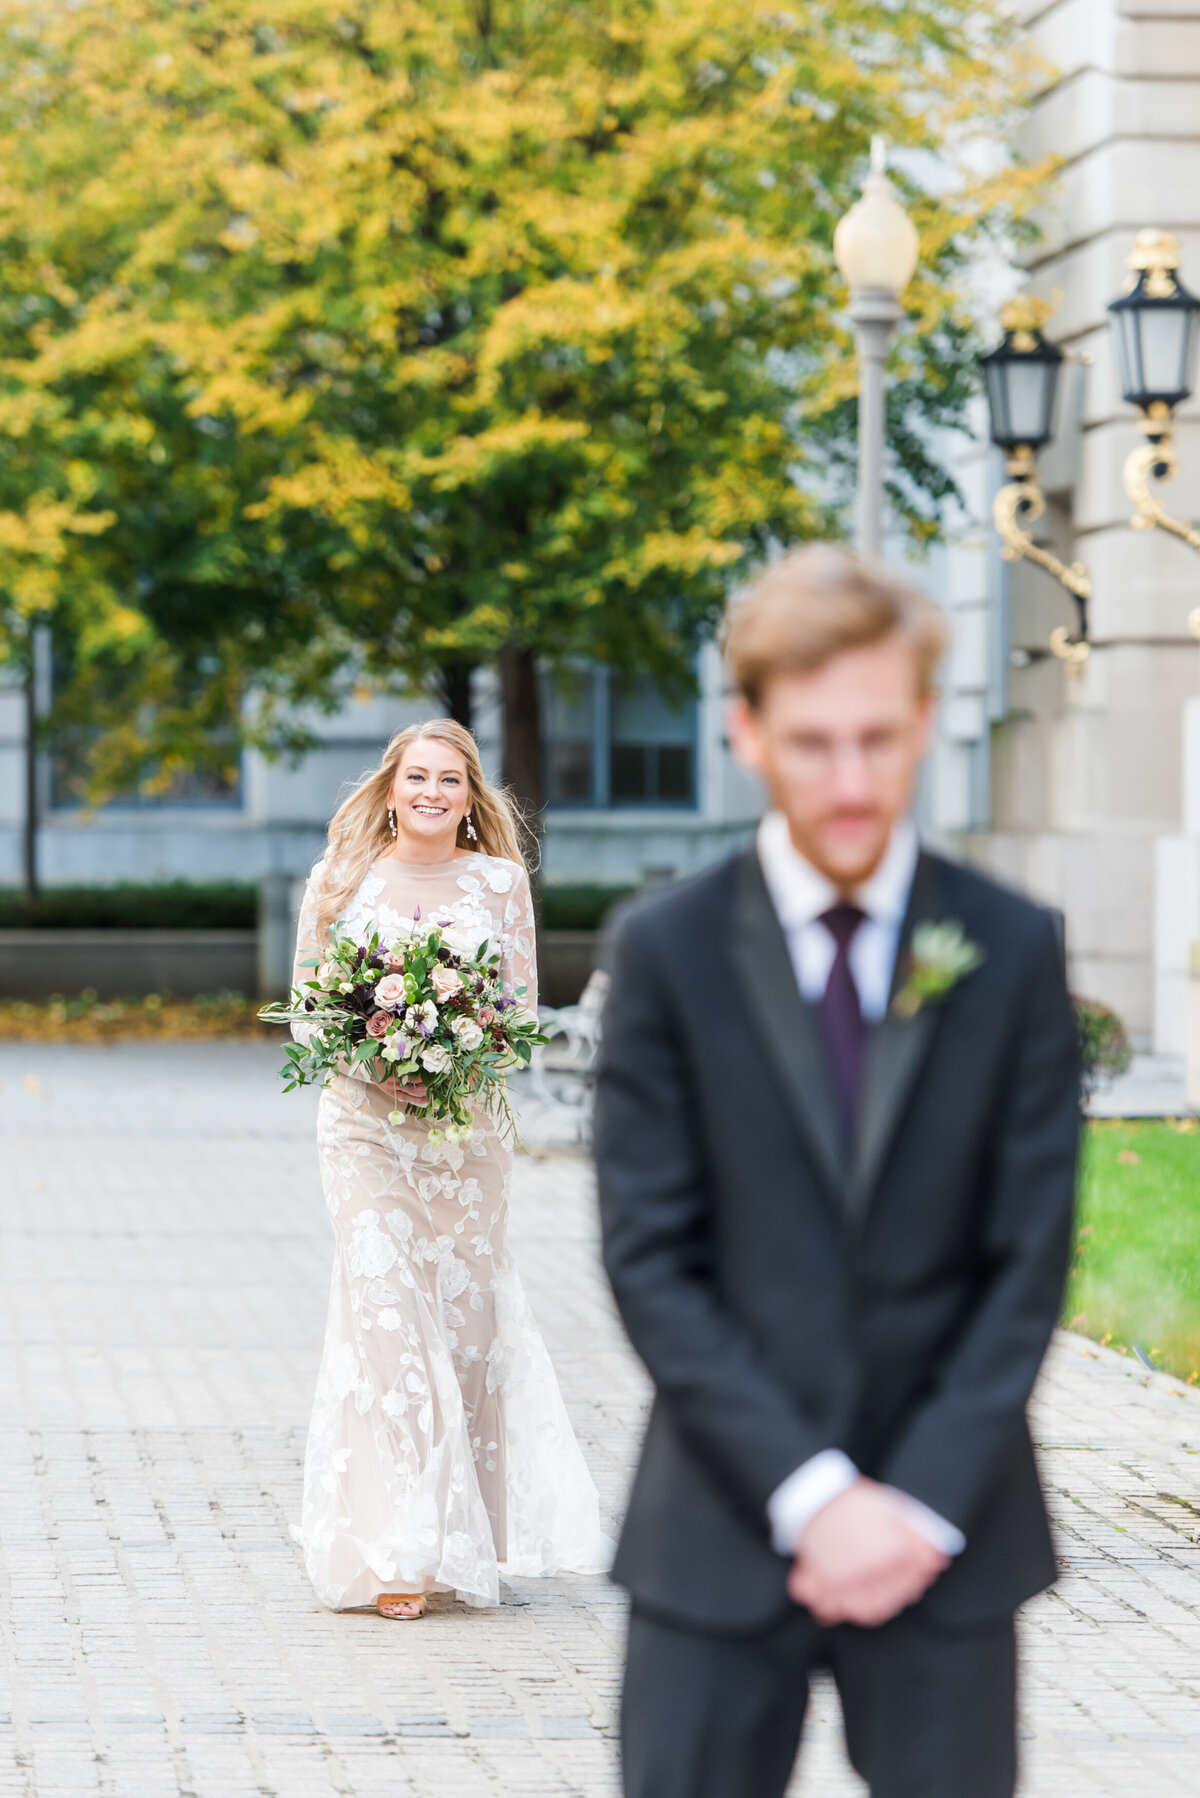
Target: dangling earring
<point>392,821</point>
<point>470,828</point>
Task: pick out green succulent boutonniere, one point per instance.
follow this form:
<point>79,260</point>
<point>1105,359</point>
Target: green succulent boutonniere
<point>939,957</point>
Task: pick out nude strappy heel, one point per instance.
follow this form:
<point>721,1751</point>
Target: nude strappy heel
<point>389,1604</point>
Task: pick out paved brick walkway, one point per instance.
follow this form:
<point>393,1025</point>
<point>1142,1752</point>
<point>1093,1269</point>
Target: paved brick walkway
<point>164,1261</point>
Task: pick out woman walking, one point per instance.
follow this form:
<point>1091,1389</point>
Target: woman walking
<point>439,1451</point>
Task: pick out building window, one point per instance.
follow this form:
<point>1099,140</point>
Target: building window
<point>70,754</point>
<point>191,789</point>
<point>612,742</point>
<point>570,726</point>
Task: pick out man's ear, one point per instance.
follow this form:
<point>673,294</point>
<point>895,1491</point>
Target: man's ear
<point>743,728</point>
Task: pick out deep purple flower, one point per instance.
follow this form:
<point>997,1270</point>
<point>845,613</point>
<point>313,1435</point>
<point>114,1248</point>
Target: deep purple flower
<point>360,998</point>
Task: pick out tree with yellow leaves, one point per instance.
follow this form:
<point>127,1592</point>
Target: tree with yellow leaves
<point>398,339</point>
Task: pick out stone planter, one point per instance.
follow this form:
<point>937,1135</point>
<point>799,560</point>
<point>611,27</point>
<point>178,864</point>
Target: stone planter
<point>175,963</point>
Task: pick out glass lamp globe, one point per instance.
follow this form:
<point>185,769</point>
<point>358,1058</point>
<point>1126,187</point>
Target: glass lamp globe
<point>1155,324</point>
<point>1021,378</point>
<point>876,244</point>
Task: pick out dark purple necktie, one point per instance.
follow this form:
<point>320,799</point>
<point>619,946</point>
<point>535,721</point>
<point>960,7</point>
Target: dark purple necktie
<point>843,1027</point>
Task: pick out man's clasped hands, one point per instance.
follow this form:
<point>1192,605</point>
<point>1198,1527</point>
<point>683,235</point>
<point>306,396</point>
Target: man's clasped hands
<point>860,1559</point>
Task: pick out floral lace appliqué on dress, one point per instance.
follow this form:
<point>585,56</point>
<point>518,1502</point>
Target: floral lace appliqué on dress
<point>439,1453</point>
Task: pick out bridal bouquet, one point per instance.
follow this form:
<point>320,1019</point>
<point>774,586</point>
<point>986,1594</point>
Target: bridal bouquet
<point>420,1008</point>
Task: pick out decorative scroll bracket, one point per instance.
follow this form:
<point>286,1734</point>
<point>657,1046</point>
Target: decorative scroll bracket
<point>1156,461</point>
<point>1019,504</point>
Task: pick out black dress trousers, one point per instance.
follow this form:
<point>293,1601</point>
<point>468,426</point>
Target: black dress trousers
<point>929,1711</point>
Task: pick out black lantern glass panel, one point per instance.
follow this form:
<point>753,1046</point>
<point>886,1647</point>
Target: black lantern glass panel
<point>1156,342</point>
<point>1021,385</point>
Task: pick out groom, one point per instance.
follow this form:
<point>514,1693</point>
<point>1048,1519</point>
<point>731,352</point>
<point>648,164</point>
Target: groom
<point>836,1155</point>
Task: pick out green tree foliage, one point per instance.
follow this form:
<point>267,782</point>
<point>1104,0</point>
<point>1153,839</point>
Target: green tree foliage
<point>393,338</point>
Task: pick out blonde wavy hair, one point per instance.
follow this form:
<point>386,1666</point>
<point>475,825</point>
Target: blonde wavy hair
<point>359,832</point>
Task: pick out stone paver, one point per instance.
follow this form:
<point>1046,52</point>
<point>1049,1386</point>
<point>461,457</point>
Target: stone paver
<point>164,1263</point>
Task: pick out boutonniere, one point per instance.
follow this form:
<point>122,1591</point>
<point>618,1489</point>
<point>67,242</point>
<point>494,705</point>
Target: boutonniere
<point>939,956</point>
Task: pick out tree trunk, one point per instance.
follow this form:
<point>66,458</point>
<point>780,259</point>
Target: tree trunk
<point>456,691</point>
<point>521,756</point>
<point>30,827</point>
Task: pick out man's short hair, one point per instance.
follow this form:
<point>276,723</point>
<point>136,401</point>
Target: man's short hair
<point>816,602</point>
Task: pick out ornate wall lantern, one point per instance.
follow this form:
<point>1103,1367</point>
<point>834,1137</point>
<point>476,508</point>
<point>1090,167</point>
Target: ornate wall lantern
<point>1021,381</point>
<point>1155,321</point>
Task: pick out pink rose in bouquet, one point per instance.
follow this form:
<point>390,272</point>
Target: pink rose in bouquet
<point>444,981</point>
<point>377,1024</point>
<point>390,992</point>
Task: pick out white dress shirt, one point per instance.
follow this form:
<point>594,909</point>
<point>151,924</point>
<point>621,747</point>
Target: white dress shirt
<point>800,894</point>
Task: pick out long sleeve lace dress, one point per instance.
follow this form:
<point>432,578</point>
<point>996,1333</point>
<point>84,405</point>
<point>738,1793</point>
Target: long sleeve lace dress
<point>439,1452</point>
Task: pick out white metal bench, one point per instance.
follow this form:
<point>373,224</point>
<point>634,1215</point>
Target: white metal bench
<point>560,1073</point>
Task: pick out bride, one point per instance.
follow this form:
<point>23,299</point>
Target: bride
<point>439,1452</point>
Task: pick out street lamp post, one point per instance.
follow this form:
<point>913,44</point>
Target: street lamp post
<point>876,247</point>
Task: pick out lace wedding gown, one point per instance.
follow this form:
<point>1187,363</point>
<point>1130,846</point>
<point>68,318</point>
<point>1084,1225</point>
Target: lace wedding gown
<point>439,1451</point>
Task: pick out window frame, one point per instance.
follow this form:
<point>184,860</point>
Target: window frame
<point>603,680</point>
<point>143,804</point>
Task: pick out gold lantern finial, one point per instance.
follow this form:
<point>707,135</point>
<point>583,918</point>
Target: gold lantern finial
<point>1024,318</point>
<point>1155,254</point>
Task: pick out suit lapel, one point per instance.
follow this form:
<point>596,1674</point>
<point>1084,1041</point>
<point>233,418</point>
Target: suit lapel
<point>786,1023</point>
<point>895,1053</point>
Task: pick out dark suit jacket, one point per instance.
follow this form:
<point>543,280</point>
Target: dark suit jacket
<point>786,1296</point>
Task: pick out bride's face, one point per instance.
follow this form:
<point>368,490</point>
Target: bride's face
<point>430,794</point>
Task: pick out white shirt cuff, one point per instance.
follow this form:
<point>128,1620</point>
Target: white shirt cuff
<point>943,1535</point>
<point>793,1505</point>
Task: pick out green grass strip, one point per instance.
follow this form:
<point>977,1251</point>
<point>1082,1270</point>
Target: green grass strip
<point>1136,1278</point>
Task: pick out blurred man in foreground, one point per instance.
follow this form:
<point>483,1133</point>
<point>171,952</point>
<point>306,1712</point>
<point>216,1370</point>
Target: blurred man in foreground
<point>837,1122</point>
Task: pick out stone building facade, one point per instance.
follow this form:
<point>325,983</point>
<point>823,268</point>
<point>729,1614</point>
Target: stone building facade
<point>1072,785</point>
